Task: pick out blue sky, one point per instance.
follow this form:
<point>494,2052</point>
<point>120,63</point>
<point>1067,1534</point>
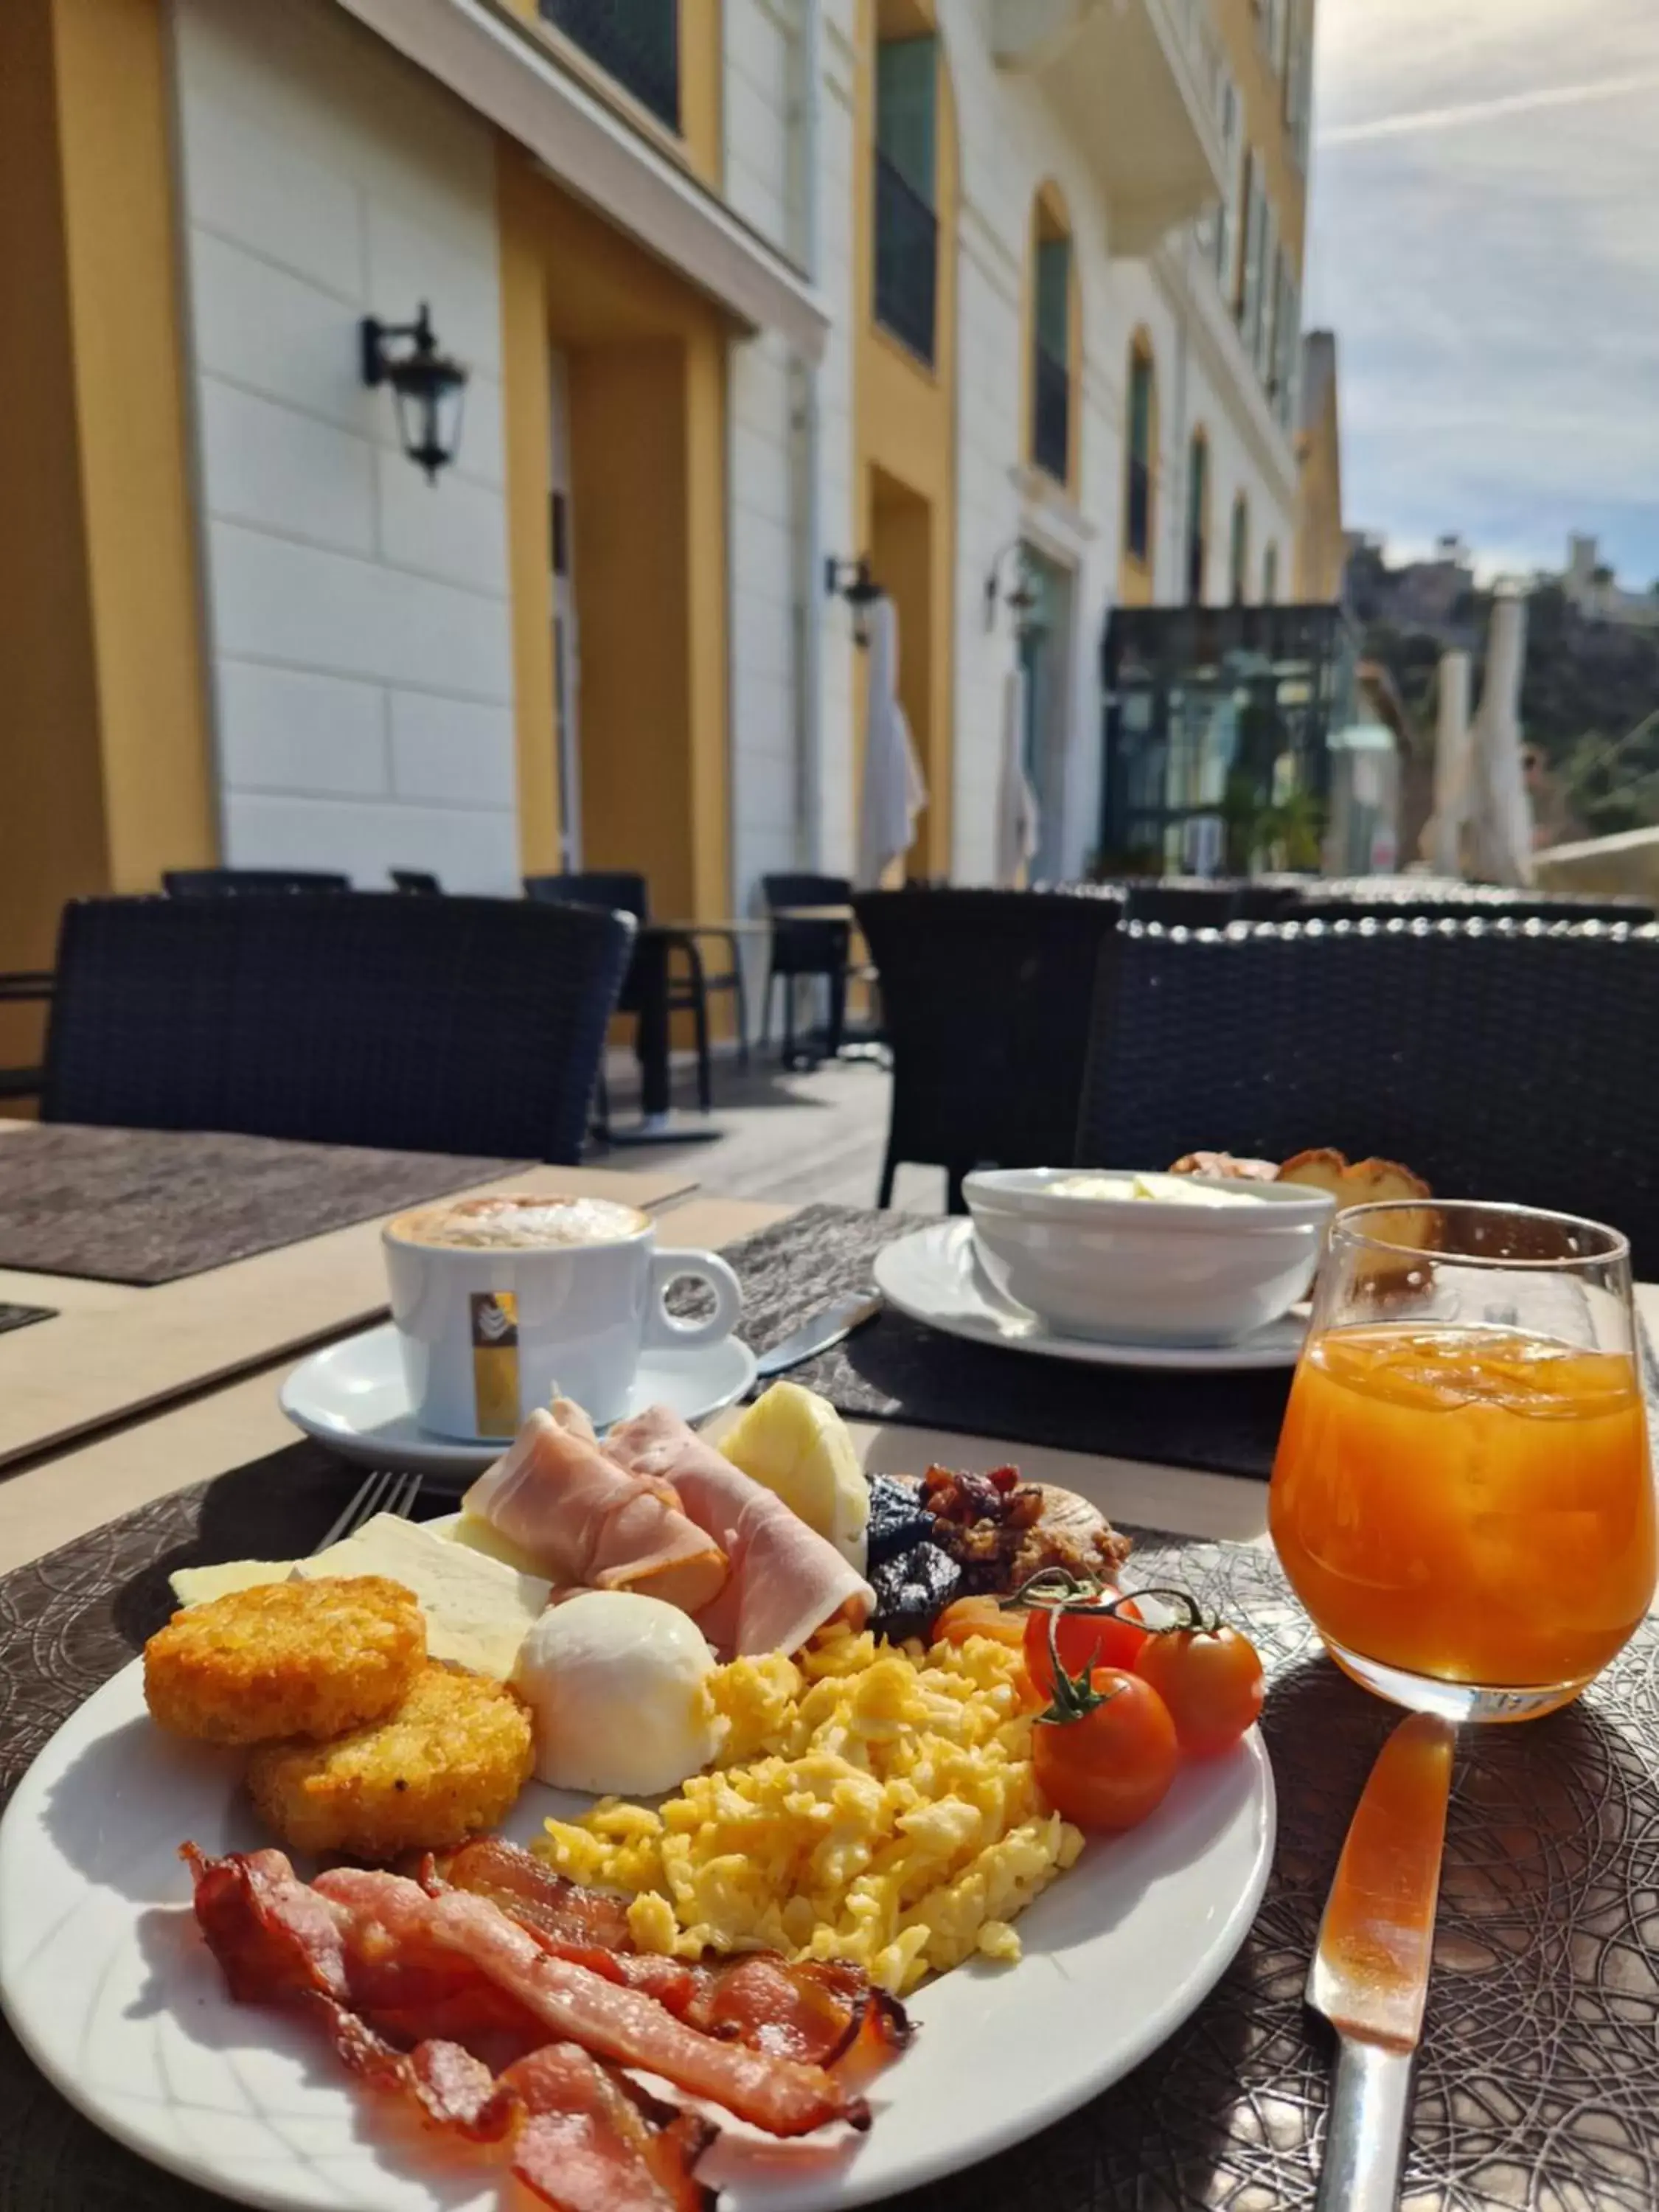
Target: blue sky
<point>1485,242</point>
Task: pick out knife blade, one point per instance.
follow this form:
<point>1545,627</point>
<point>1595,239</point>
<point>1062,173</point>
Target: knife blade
<point>824,1331</point>
<point>1370,1975</point>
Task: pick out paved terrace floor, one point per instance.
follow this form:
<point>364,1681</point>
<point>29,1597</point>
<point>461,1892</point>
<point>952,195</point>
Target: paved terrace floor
<point>793,1138</point>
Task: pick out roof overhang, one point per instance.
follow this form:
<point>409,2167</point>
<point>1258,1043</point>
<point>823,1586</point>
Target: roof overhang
<point>498,67</point>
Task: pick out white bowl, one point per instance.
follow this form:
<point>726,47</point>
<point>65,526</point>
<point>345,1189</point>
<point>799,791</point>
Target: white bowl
<point>1147,1271</point>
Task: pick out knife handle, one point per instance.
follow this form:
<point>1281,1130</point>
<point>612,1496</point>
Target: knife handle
<point>1365,2142</point>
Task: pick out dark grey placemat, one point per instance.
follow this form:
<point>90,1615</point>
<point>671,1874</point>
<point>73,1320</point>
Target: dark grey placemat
<point>147,1205</point>
<point>1538,2085</point>
<point>20,1316</point>
<point>896,1370</point>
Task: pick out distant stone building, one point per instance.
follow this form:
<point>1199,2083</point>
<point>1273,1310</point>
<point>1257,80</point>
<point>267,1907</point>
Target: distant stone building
<point>1596,593</point>
<point>1436,595</point>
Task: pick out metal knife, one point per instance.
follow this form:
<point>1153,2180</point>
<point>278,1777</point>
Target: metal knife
<point>1370,1972</point>
<point>823,1330</point>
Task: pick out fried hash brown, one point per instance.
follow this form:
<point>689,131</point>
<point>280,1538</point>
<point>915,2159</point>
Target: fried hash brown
<point>285,1659</point>
<point>449,1761</point>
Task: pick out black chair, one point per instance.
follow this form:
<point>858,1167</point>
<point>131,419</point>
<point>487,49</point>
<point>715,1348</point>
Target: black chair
<point>24,987</point>
<point>624,891</point>
<point>451,1026</point>
<point>416,882</point>
<point>1197,905</point>
<point>239,883</point>
<point>1497,1059</point>
<point>986,997</point>
<point>806,948</point>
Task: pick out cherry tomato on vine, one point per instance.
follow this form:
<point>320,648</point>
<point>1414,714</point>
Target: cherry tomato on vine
<point>1105,1752</point>
<point>1210,1678</point>
<point>1087,1638</point>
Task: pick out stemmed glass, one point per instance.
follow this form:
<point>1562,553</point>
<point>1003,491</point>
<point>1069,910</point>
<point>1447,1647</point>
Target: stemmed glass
<point>1462,1497</point>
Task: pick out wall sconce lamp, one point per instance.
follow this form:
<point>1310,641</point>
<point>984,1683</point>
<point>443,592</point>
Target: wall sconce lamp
<point>430,388</point>
<point>1020,597</point>
<point>852,582</point>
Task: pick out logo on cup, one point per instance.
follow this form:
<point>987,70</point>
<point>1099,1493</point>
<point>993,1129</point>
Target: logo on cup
<point>495,1361</point>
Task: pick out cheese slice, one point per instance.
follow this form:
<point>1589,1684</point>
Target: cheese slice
<point>196,1585</point>
<point>475,1533</point>
<point>477,1610</point>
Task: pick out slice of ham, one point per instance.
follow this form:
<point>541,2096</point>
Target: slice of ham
<point>573,2004</point>
<point>591,1525</point>
<point>785,1580</point>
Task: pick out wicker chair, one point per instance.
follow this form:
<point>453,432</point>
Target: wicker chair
<point>416,882</point>
<point>1499,1060</point>
<point>1192,905</point>
<point>1517,906</point>
<point>986,998</point>
<point>454,1024</point>
<point>240,883</point>
<point>806,948</point>
<point>624,891</point>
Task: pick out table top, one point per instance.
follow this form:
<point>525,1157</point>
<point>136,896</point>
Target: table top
<point>112,1350</point>
<point>150,1451</point>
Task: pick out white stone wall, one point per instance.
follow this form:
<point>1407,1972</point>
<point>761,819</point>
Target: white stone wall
<point>358,617</point>
<point>784,816</point>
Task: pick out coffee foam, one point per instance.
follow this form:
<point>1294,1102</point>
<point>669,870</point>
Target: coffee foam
<point>517,1223</point>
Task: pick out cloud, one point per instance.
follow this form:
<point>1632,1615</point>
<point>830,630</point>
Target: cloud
<point>1482,242</point>
<point>1487,111</point>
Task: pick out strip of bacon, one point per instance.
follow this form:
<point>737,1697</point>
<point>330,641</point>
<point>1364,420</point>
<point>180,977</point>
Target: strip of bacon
<point>535,1895</point>
<point>450,2087</point>
<point>594,2142</point>
<point>585,2139</point>
<point>272,1935</point>
<point>810,2011</point>
<point>573,2004</point>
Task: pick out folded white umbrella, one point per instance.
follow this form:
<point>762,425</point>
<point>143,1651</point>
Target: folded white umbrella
<point>1500,823</point>
<point>1018,821</point>
<point>894,792</point>
<point>1442,836</point>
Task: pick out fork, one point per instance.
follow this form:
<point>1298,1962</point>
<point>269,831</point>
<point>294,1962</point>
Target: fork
<point>384,1492</point>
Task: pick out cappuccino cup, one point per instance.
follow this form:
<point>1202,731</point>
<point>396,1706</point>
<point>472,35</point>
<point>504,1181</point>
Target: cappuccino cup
<point>504,1303</point>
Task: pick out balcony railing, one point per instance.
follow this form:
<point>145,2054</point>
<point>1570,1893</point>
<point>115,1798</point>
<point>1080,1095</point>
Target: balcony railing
<point>906,261</point>
<point>1051,414</point>
<point>635,41</point>
<point>1138,521</point>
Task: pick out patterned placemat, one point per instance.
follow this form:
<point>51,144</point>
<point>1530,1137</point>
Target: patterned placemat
<point>20,1316</point>
<point>896,1370</point>
<point>1538,2084</point>
<point>147,1205</point>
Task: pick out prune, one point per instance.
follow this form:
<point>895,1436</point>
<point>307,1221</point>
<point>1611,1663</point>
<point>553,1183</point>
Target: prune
<point>912,1589</point>
<point>898,1519</point>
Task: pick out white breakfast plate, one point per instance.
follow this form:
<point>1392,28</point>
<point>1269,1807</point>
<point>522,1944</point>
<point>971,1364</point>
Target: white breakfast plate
<point>353,1397</point>
<point>935,1275</point>
<point>119,2003</point>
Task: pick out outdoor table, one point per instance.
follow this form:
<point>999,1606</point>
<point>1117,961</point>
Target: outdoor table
<point>108,1350</point>
<point>659,1124</point>
<point>1536,2083</point>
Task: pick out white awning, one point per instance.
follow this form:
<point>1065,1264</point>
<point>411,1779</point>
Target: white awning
<point>498,68</point>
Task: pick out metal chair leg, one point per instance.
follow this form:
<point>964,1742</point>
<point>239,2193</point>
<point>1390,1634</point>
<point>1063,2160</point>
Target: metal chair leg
<point>889,1170</point>
<point>743,1014</point>
<point>837,1012</point>
<point>788,1021</point>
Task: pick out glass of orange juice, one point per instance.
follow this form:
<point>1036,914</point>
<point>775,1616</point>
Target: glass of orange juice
<point>1462,1497</point>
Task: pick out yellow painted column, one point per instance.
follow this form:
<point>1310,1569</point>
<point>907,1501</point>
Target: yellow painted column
<point>701,104</point>
<point>526,401</point>
<point>115,100</point>
<point>105,773</point>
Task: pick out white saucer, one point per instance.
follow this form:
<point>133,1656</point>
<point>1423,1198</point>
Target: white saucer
<point>353,1398</point>
<point>934,1276</point>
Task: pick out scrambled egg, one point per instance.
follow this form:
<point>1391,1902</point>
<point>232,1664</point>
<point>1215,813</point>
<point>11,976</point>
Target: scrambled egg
<point>869,1803</point>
